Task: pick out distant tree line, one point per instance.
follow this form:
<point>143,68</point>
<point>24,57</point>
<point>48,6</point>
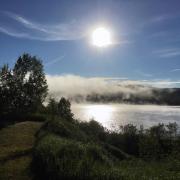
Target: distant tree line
<point>165,96</point>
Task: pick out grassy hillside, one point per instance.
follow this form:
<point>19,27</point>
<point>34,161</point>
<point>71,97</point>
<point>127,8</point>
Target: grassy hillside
<point>80,150</point>
<point>16,142</point>
<point>68,149</point>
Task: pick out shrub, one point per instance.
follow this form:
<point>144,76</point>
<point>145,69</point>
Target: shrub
<point>64,109</point>
<point>65,129</point>
<point>67,159</point>
<point>86,150</point>
<point>94,130</point>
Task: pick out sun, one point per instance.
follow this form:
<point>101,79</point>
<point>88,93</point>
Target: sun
<point>101,37</point>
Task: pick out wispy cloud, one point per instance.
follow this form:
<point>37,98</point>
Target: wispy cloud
<point>160,34</point>
<point>175,70</point>
<point>162,18</point>
<point>156,20</point>
<point>168,35</point>
<point>72,30</point>
<point>167,53</point>
<point>13,33</point>
<point>45,32</point>
<point>27,23</point>
<point>53,61</point>
<point>143,73</point>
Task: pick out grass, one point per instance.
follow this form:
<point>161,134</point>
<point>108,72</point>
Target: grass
<point>160,170</point>
<point>65,149</point>
<point>16,143</point>
<point>62,158</point>
<point>80,150</point>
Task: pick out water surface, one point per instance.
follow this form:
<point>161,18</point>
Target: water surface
<point>114,115</point>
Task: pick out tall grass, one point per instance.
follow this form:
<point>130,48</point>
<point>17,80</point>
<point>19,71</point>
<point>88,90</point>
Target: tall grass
<point>86,150</point>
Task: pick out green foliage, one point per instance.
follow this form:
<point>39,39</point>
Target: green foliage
<point>63,128</point>
<point>55,154</point>
<point>6,89</point>
<point>130,139</point>
<point>52,107</point>
<point>93,152</point>
<point>67,159</point>
<point>94,130</point>
<point>64,109</point>
<point>61,108</point>
<point>24,88</point>
<point>30,83</point>
<point>161,170</point>
<point>172,129</point>
<point>159,141</point>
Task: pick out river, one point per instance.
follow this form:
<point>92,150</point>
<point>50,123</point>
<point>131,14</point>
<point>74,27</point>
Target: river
<point>112,116</point>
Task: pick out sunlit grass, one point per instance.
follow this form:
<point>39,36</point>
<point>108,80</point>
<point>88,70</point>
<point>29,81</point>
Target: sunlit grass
<point>16,142</point>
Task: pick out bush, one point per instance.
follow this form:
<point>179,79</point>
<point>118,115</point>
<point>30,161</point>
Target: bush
<point>67,159</point>
<point>159,141</point>
<point>86,150</point>
<point>94,130</point>
<point>64,109</point>
<point>63,128</point>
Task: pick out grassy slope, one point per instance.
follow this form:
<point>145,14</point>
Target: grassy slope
<point>62,137</point>
<point>16,142</point>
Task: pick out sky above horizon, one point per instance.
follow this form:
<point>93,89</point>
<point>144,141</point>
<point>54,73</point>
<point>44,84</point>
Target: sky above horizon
<point>147,35</point>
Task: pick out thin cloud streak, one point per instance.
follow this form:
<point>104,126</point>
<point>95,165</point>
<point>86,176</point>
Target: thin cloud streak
<point>157,19</point>
<point>13,33</point>
<point>36,31</point>
<point>162,18</point>
<point>26,22</point>
<point>143,73</point>
<point>167,53</point>
<point>175,70</point>
<point>54,61</point>
<point>73,30</point>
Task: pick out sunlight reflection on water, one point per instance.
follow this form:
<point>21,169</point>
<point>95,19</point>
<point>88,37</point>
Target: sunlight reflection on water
<point>101,112</point>
<point>114,115</point>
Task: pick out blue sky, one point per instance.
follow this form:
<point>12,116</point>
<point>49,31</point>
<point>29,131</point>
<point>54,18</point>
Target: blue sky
<point>57,31</point>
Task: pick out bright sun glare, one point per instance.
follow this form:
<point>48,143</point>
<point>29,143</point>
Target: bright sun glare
<point>101,37</point>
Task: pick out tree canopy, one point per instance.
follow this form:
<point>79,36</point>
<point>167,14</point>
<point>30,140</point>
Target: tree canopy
<point>24,88</point>
<point>61,108</point>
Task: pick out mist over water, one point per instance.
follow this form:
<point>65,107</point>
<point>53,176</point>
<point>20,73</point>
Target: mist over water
<point>71,86</point>
<point>112,116</point>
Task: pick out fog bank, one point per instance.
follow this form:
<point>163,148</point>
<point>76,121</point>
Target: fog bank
<point>71,86</point>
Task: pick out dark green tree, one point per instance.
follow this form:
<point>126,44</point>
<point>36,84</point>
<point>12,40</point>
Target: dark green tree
<point>30,83</point>
<point>172,129</point>
<point>130,139</point>
<point>64,109</point>
<point>52,107</point>
<point>6,90</point>
<point>23,89</point>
